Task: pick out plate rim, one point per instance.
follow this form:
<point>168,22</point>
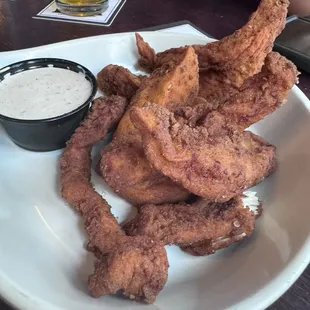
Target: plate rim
<point>14,296</point>
<point>202,38</point>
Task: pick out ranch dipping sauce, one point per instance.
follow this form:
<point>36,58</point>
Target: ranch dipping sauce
<point>43,93</point>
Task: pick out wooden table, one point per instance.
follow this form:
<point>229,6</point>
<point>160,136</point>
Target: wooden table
<point>219,18</point>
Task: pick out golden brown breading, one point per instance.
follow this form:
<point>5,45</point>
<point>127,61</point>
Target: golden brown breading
<point>94,126</point>
<point>136,265</point>
<point>184,224</point>
<point>213,89</point>
<point>172,85</point>
<point>123,164</point>
<point>240,55</point>
<point>126,170</point>
<point>260,95</point>
<point>148,55</point>
<point>214,161</point>
<point>117,80</point>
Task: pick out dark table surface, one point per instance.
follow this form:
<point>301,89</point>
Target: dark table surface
<point>219,18</point>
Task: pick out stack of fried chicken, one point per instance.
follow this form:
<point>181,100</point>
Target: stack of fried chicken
<point>180,153</point>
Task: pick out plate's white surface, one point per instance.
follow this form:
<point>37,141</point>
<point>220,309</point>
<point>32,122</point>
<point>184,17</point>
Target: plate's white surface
<point>43,265</point>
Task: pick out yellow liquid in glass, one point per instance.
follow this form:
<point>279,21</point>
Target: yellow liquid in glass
<point>82,7</point>
<point>81,2</point>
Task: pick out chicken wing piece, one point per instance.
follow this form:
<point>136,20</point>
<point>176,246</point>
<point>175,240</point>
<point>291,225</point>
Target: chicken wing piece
<point>135,265</point>
<point>184,224</point>
<point>214,161</point>
<point>123,164</point>
<point>240,55</point>
<point>117,80</point>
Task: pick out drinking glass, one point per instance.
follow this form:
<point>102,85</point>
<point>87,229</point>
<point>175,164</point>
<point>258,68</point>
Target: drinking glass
<point>82,7</point>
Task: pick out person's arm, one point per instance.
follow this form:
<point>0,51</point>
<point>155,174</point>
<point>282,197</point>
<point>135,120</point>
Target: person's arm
<point>299,7</point>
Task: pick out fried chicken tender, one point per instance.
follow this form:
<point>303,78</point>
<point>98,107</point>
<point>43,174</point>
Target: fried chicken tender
<point>135,265</point>
<point>214,161</point>
<point>117,80</point>
<point>94,127</point>
<point>259,96</point>
<point>123,164</point>
<point>238,56</point>
<point>184,224</point>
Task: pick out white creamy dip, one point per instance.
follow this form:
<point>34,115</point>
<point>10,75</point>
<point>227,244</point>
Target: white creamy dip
<point>43,93</point>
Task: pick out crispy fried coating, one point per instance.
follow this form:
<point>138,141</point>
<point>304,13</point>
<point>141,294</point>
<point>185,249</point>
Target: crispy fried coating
<point>105,113</point>
<point>242,54</point>
<point>148,55</point>
<point>259,96</point>
<point>126,169</point>
<point>227,63</point>
<point>214,90</point>
<point>135,265</point>
<point>75,167</point>
<point>172,85</point>
<point>123,165</point>
<point>214,161</point>
<point>211,86</point>
<point>184,224</point>
<point>102,228</point>
<point>117,80</point>
<point>195,112</point>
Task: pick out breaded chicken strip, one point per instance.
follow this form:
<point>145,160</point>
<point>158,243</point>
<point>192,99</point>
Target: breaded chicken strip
<point>135,265</point>
<point>184,224</point>
<point>259,96</point>
<point>238,56</point>
<point>214,161</point>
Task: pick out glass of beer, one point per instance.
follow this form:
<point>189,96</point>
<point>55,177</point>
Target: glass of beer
<point>82,7</point>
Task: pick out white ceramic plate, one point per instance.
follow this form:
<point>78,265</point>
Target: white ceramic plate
<point>43,265</point>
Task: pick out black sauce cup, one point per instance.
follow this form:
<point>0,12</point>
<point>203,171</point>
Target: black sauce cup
<point>51,133</point>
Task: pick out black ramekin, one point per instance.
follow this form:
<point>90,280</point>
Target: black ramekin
<point>51,133</point>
